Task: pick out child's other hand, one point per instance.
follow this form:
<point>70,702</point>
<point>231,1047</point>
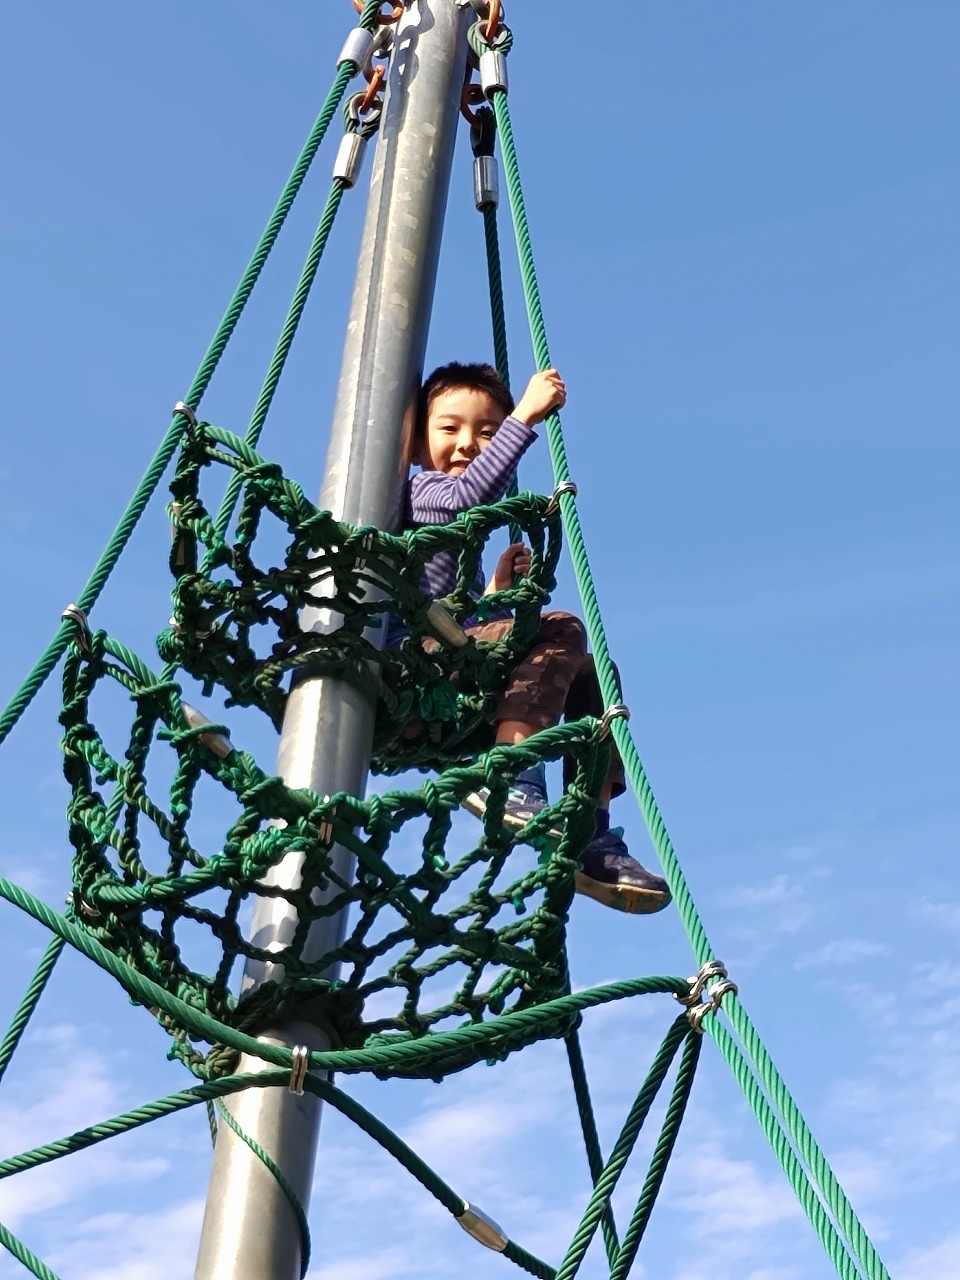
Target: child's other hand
<point>514,563</point>
<point>545,392</point>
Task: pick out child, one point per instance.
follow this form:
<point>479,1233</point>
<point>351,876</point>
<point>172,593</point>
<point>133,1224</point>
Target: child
<point>468,440</point>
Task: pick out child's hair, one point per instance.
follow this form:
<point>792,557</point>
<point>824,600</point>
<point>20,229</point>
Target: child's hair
<point>450,377</point>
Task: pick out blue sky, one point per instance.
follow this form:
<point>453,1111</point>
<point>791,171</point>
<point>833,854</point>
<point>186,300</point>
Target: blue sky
<point>745,223</point>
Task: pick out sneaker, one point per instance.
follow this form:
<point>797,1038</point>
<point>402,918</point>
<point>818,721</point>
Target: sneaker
<point>525,799</point>
<point>608,874</point>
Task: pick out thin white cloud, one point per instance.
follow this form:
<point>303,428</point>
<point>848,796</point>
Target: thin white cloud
<point>731,1197</point>
<point>55,1185</point>
<point>697,1272</point>
<point>842,951</point>
<point>944,915</point>
<point>940,1261</point>
<point>783,900</point>
<point>53,1111</point>
<point>377,1265</point>
<point>29,873</point>
<point>134,1246</point>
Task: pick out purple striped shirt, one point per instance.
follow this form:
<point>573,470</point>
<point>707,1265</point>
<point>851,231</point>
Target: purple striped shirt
<point>433,497</point>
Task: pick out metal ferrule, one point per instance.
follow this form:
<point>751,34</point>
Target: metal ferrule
<point>445,627</point>
<point>493,72</point>
<point>486,181</point>
<point>298,1069</point>
<point>178,536</point>
<point>356,48</point>
<point>216,742</point>
<point>476,1223</point>
<point>349,159</point>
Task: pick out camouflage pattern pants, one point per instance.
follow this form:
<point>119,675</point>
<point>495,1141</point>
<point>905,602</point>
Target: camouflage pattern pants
<point>555,681</point>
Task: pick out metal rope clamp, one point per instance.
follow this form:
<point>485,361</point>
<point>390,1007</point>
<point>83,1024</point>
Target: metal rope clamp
<point>218,743</point>
<point>366,543</point>
<point>494,77</point>
<point>182,407</point>
<point>619,711</point>
<point>73,613</point>
<point>357,49</point>
<point>565,486</point>
<point>353,145</point>
<point>445,627</point>
<point>298,1070</point>
<point>325,827</point>
<point>83,908</point>
<point>483,1228</point>
<point>702,999</point>
<point>486,173</point>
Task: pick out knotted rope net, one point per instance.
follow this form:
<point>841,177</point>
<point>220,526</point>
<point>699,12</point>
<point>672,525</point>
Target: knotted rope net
<point>242,627</point>
<point>434,938</point>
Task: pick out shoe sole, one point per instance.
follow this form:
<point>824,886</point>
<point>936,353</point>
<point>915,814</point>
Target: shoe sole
<point>632,899</point>
<point>514,821</point>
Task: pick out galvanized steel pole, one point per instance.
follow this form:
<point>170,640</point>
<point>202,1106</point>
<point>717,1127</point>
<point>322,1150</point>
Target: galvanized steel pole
<point>250,1231</point>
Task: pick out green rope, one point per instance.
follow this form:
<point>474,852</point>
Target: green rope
<point>23,1015</point>
<point>211,1111</point>
<point>591,1139</point>
<point>121,536</point>
<point>804,1140</point>
<point>769,1123</point>
<point>622,1149</point>
<point>24,1255</point>
<point>521,1258</point>
<point>483,137</point>
<point>499,318</point>
<point>211,1092</point>
<point>294,315</point>
<point>277,1078</point>
<point>282,1182</point>
<point>819,1170</point>
<point>497,309</point>
<point>284,343</point>
<point>661,1158</point>
<point>384,1058</point>
<point>518,925</point>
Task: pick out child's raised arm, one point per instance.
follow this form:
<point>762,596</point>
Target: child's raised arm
<point>545,392</point>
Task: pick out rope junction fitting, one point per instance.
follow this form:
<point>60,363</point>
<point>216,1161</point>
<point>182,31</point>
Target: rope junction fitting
<point>702,998</point>
<point>185,411</point>
<point>565,486</point>
<point>619,711</point>
<point>73,613</point>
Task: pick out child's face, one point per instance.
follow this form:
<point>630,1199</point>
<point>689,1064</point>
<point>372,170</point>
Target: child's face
<point>461,423</point>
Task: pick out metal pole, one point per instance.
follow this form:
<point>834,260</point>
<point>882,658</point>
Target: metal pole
<point>249,1229</point>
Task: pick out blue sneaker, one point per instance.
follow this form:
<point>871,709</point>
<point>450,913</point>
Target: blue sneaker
<point>609,875</point>
<point>525,799</point>
<point>607,872</point>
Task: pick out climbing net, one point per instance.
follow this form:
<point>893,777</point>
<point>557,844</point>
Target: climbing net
<point>448,959</point>
<point>492,917</point>
<point>240,627</point>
